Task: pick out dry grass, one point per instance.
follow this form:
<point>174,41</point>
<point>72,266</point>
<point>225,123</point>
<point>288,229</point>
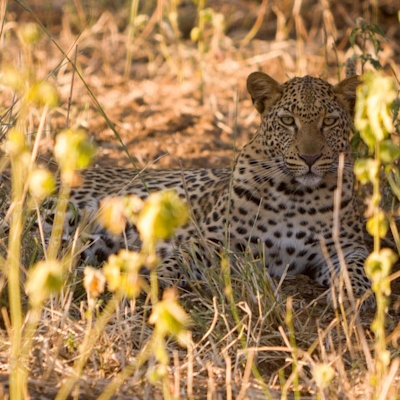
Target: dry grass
<point>173,102</point>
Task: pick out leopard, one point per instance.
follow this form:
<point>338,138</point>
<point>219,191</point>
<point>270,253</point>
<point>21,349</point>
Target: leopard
<point>275,203</point>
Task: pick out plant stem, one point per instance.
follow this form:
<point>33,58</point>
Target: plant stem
<point>378,325</point>
<point>130,37</point>
<point>18,369</point>
<point>58,225</point>
<point>91,337</point>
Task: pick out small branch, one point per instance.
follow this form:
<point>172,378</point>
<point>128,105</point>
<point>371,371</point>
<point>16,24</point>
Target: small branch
<point>72,87</point>
<point>257,25</point>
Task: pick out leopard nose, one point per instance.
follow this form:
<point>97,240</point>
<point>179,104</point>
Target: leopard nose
<point>310,160</point>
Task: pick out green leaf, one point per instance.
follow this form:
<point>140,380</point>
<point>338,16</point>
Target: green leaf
<point>395,109</point>
<point>376,43</point>
<point>355,141</point>
<point>393,177</point>
<point>368,136</point>
<point>375,63</point>
<point>377,29</point>
<point>353,35</point>
<point>389,151</point>
<point>372,112</point>
<point>366,169</point>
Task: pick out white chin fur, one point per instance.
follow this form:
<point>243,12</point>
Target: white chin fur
<point>309,180</point>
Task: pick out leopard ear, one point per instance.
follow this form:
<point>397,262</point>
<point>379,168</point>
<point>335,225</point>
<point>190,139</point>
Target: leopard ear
<point>346,92</point>
<point>264,90</point>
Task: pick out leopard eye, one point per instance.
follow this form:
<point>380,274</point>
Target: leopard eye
<point>288,120</point>
<point>329,121</point>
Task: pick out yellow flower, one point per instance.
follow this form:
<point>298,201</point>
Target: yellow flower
<point>112,215</point>
<point>373,108</point>
<point>30,33</point>
<point>15,144</point>
<point>94,282</point>
<point>44,278</point>
<point>73,151</point>
<point>162,213</point>
<point>43,93</point>
<point>170,318</point>
<point>122,272</point>
<point>41,184</point>
<point>323,375</point>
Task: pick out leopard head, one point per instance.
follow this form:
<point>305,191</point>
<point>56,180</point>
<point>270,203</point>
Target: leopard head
<point>306,123</point>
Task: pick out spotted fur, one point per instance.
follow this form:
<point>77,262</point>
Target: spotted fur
<point>276,203</point>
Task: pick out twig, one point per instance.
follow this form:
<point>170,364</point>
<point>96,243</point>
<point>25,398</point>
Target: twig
<point>246,375</point>
<point>190,370</point>
<point>228,376</point>
<point>342,262</point>
<point>260,18</point>
<point>156,17</point>
<point>72,87</point>
<point>389,379</point>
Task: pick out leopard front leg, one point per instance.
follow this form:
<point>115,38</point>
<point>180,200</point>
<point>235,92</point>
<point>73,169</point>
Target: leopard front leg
<point>170,272</point>
<point>354,262</point>
<point>185,265</point>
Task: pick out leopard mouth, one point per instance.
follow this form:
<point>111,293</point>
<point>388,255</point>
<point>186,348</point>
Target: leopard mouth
<point>309,179</point>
